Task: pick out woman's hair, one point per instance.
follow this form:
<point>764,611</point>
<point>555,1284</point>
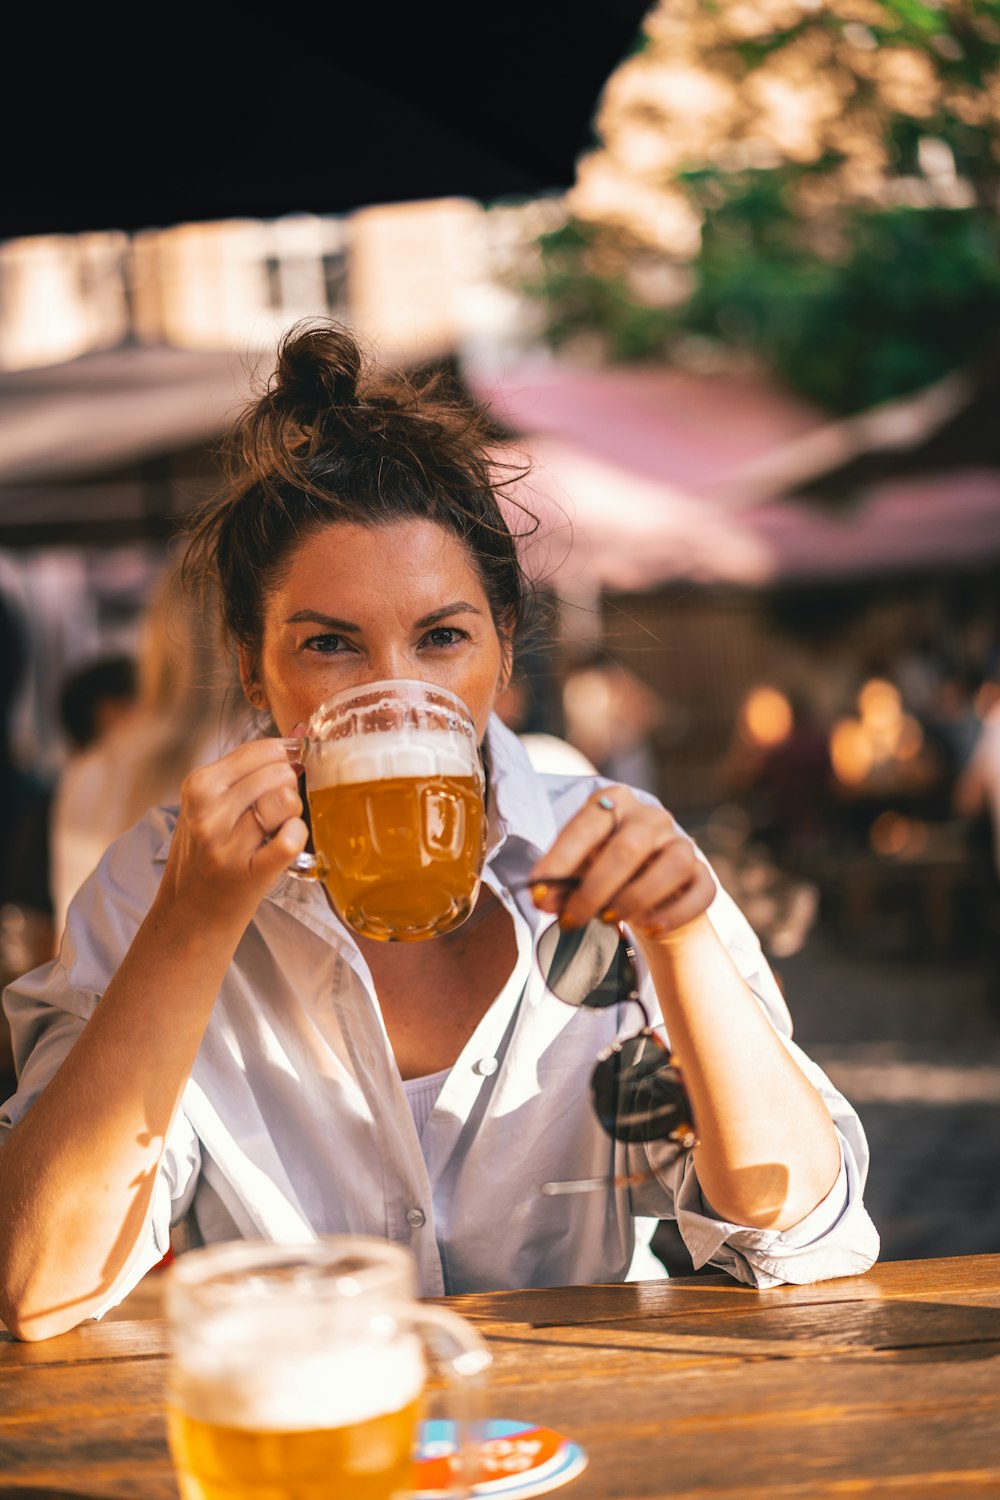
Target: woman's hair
<point>334,438</point>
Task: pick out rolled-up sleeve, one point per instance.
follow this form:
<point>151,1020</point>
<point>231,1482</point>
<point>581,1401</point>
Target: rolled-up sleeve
<point>837,1238</point>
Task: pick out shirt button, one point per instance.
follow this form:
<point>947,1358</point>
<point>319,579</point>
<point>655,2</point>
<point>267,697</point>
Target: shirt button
<point>416,1218</point>
<point>485,1066</point>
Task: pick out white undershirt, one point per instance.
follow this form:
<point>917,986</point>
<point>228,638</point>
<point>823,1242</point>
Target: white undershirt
<point>421,1095</point>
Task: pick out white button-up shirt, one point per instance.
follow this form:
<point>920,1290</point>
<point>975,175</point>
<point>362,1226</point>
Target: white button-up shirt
<point>294,1121</point>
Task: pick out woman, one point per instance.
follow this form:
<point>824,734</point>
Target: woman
<point>249,1064</point>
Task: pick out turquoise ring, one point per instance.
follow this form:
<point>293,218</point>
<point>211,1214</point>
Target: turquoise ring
<point>606,804</point>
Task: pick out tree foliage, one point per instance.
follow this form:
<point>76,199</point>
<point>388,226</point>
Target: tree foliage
<point>812,185</point>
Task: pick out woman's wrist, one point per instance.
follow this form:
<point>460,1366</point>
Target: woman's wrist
<point>658,942</point>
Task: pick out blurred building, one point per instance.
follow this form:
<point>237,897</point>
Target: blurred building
<point>415,276</point>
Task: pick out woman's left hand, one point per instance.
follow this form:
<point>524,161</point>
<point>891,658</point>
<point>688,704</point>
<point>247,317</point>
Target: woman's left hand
<point>633,864</point>
<point>768,1151</point>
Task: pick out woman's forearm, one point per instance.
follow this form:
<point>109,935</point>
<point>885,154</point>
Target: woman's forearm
<point>768,1151</point>
<point>77,1173</point>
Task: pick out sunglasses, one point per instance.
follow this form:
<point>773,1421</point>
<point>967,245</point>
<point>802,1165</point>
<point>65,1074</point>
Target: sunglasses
<point>636,1088</point>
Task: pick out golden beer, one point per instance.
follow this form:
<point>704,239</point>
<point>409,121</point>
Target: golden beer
<point>365,1460</point>
<point>403,856</point>
<point>295,1403</point>
<point>396,792</point>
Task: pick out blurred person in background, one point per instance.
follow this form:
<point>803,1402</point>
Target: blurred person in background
<point>778,765</point>
<point>977,788</point>
<point>611,717</point>
<point>952,726</point>
<point>187,710</point>
<point>23,791</point>
<point>546,751</point>
<point>25,903</point>
<point>215,1046</point>
<point>95,696</point>
<point>976,798</point>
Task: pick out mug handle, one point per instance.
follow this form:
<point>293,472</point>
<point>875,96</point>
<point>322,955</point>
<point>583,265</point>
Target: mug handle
<point>295,749</point>
<point>462,1356</point>
<point>304,866</point>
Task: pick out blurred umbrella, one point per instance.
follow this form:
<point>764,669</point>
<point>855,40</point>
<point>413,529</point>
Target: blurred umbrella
<point>251,110</point>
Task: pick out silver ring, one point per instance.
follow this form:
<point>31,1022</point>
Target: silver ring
<point>259,820</point>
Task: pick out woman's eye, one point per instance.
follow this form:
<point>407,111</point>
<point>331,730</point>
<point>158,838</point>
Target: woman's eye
<point>445,635</point>
<point>327,644</point>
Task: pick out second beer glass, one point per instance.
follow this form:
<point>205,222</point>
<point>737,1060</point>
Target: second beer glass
<point>396,794</point>
<point>302,1372</point>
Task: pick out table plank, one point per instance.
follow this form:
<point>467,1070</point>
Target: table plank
<point>960,1275</point>
<point>886,1341</point>
<point>145,1339</point>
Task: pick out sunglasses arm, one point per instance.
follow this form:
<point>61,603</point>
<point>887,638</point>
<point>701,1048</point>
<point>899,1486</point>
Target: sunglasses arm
<point>595,1184</point>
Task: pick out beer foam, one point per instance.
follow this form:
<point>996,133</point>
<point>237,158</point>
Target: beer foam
<point>394,752</point>
<point>290,1390</point>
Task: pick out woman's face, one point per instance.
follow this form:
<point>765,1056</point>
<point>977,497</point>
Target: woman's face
<point>359,604</point>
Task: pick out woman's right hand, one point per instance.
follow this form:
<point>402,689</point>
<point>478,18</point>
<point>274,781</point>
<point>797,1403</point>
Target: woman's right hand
<point>240,826</point>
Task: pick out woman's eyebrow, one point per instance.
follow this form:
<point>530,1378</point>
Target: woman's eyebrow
<point>457,607</point>
<point>314,617</point>
<point>331,622</point>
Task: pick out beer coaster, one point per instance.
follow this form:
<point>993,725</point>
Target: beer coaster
<point>518,1460</point>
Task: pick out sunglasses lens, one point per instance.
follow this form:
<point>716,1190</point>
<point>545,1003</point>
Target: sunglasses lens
<point>638,1096</point>
<point>589,966</point>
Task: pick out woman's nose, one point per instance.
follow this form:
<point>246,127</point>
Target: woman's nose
<point>391,665</point>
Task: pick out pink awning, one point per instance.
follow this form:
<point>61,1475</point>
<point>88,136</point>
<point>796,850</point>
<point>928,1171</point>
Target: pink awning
<point>637,483</point>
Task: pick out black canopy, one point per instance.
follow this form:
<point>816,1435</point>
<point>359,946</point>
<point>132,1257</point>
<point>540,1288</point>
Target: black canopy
<point>214,111</point>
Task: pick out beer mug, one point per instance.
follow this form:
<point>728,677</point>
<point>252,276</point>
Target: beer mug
<point>298,1372</point>
<point>396,793</point>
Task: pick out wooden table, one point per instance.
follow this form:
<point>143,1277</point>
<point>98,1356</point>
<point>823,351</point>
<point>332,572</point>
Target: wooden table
<point>885,1384</point>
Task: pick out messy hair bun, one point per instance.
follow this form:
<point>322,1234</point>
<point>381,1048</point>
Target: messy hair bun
<point>334,437</point>
<point>318,367</point>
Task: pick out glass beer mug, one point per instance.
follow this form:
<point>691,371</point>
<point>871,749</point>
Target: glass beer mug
<point>396,793</point>
<point>298,1372</point>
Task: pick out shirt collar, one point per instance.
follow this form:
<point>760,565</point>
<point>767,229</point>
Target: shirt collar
<point>519,806</point>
